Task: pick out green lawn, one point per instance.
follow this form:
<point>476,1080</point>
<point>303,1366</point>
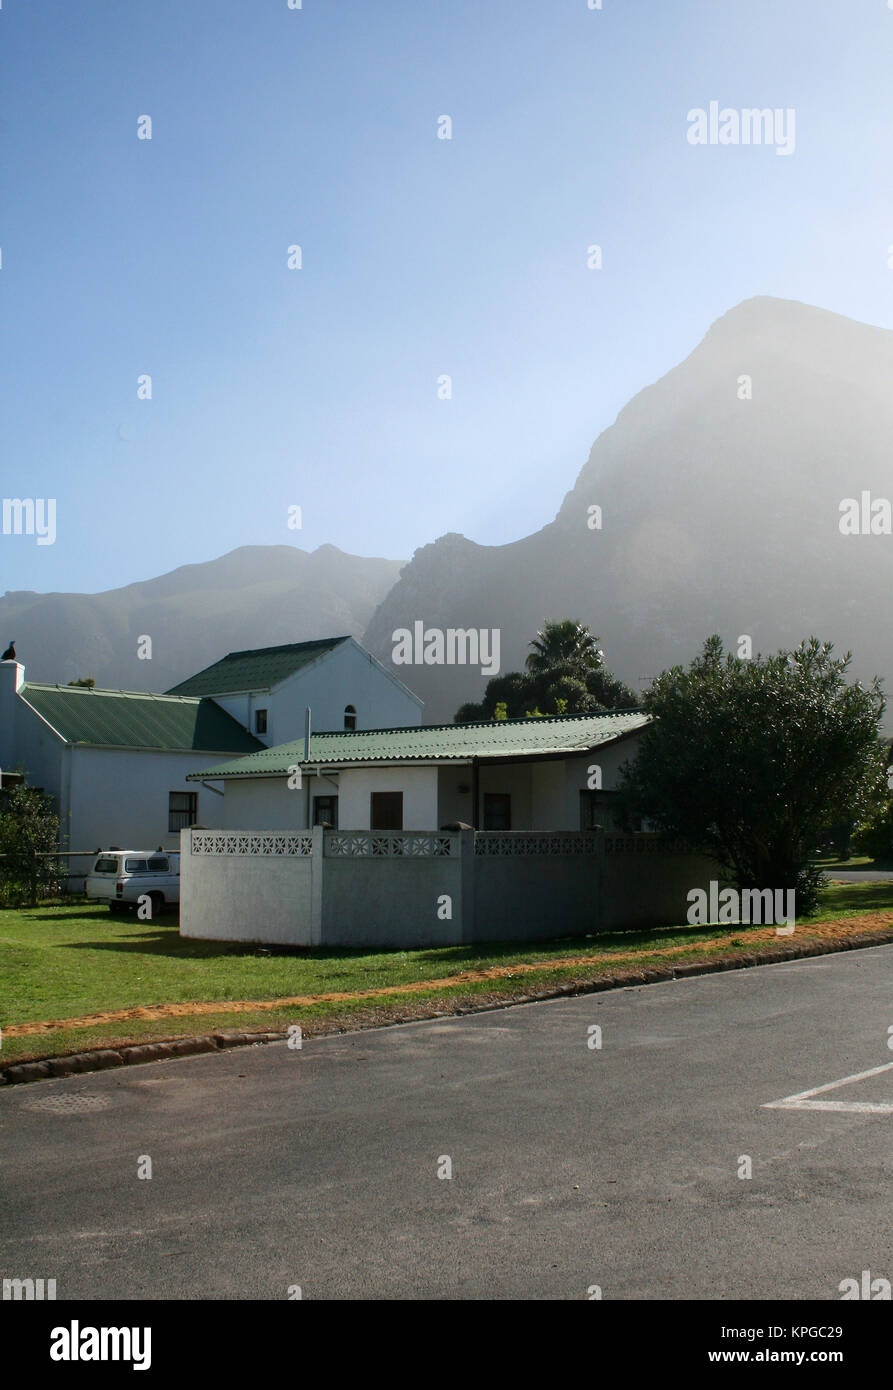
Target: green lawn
<point>830,862</point>
<point>60,962</point>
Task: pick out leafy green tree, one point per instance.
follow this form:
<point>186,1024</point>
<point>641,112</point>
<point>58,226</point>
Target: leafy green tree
<point>565,673</point>
<point>751,760</point>
<point>88,681</point>
<point>29,834</point>
<point>874,837</point>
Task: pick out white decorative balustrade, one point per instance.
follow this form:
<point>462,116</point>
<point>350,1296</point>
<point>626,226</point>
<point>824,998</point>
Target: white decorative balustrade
<point>523,843</point>
<point>372,844</point>
<point>222,842</point>
<point>644,843</point>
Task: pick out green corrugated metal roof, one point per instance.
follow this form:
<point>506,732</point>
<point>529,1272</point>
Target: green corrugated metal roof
<point>493,738</point>
<point>129,720</point>
<point>258,669</point>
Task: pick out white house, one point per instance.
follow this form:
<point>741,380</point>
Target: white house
<point>119,763</point>
<point>538,774</point>
<point>433,836</point>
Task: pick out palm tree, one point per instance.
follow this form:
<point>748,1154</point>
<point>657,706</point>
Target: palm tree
<point>565,647</point>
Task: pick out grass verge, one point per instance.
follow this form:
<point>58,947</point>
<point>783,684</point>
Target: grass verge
<point>67,967</point>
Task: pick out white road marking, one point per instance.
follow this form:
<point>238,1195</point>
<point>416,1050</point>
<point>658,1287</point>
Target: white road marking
<point>804,1100</point>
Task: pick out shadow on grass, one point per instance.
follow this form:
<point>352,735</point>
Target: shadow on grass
<point>168,943</point>
<point>871,896</point>
<point>60,914</point>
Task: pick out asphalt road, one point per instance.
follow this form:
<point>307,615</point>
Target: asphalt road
<point>572,1166</point>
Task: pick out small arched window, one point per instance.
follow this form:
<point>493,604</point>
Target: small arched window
<point>350,717</point>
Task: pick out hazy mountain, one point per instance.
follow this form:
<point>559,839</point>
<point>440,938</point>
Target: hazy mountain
<point>256,596</point>
<point>719,514</point>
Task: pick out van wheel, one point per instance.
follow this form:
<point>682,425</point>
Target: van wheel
<point>157,901</point>
<point>116,909</point>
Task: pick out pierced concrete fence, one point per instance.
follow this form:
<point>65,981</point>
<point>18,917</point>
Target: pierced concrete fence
<point>440,888</point>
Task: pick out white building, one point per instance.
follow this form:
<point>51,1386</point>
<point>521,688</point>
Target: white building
<point>117,763</point>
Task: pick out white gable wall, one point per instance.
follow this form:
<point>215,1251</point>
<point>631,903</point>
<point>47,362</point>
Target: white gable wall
<point>345,676</point>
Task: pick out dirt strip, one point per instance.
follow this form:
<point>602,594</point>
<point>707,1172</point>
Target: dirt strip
<point>838,930</point>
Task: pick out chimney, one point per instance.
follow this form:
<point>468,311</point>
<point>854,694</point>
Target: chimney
<point>13,676</point>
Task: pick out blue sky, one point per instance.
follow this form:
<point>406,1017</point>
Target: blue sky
<point>421,256</point>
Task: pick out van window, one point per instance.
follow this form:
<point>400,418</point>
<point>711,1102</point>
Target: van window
<point>135,866</point>
<point>105,866</point>
<point>158,865</point>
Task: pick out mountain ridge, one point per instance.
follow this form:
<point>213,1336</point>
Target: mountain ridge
<point>251,596</point>
<point>719,513</point>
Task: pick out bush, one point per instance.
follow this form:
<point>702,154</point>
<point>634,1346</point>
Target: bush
<point>751,761</point>
<point>29,833</point>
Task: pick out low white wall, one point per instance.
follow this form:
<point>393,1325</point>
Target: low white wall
<point>395,901</point>
<point>536,892</point>
<point>647,885</point>
<point>245,896</point>
<point>371,890</point>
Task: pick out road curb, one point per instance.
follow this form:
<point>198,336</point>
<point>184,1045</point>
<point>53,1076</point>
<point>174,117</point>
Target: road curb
<point>135,1054</point>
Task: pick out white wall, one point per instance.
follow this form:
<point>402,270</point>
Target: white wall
<point>239,706</point>
<point>120,796</point>
<point>246,897</point>
<point>452,804</point>
<point>268,803</point>
<point>515,779</point>
<point>418,785</point>
<point>610,759</point>
<point>548,798</point>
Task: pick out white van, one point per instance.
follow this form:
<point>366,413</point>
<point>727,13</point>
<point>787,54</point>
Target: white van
<point>121,877</point>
